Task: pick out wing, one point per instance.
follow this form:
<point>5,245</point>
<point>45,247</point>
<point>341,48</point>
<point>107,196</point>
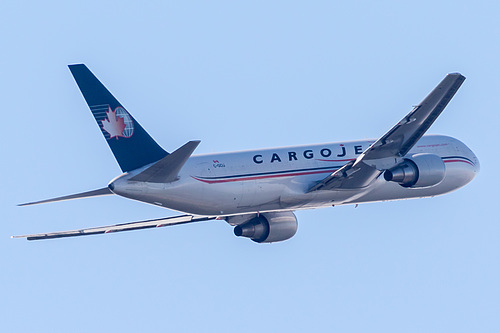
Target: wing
<point>168,221</point>
<point>396,142</point>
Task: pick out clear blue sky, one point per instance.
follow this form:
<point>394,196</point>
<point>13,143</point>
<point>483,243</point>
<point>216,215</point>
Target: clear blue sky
<point>240,76</point>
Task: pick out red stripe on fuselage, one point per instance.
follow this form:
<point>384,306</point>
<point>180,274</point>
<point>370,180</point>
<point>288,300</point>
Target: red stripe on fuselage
<point>263,177</point>
<point>463,161</point>
<point>347,160</point>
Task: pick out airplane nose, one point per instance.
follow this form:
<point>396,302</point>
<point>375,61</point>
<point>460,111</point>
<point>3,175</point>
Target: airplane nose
<point>469,155</point>
<point>477,165</point>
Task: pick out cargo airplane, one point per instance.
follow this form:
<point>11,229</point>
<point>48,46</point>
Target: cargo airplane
<point>257,191</point>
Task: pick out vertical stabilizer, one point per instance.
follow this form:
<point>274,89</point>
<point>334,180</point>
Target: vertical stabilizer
<point>132,146</point>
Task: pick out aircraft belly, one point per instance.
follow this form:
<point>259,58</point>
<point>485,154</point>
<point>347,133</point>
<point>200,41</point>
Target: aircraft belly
<point>257,194</point>
<point>218,199</point>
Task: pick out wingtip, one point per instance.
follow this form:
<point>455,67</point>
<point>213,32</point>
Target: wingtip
<point>195,142</point>
<point>456,74</point>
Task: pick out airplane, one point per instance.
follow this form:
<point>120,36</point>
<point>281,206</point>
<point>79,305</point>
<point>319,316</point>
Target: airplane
<point>257,191</point>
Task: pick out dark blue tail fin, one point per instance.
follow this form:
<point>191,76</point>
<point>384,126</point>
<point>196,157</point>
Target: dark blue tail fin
<point>129,142</point>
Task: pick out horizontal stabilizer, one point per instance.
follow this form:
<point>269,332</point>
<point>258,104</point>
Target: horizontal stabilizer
<point>167,169</point>
<point>94,193</point>
<point>168,221</point>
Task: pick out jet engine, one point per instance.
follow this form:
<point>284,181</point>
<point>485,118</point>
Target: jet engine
<point>269,227</point>
<point>420,170</point>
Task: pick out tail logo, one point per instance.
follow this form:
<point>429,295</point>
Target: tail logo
<point>118,123</point>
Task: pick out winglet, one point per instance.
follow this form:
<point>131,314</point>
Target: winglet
<point>167,169</point>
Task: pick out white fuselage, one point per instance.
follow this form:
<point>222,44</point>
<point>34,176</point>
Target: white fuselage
<point>279,178</point>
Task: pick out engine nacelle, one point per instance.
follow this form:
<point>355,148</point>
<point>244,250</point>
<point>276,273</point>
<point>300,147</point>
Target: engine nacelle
<point>269,227</point>
<point>420,170</point>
